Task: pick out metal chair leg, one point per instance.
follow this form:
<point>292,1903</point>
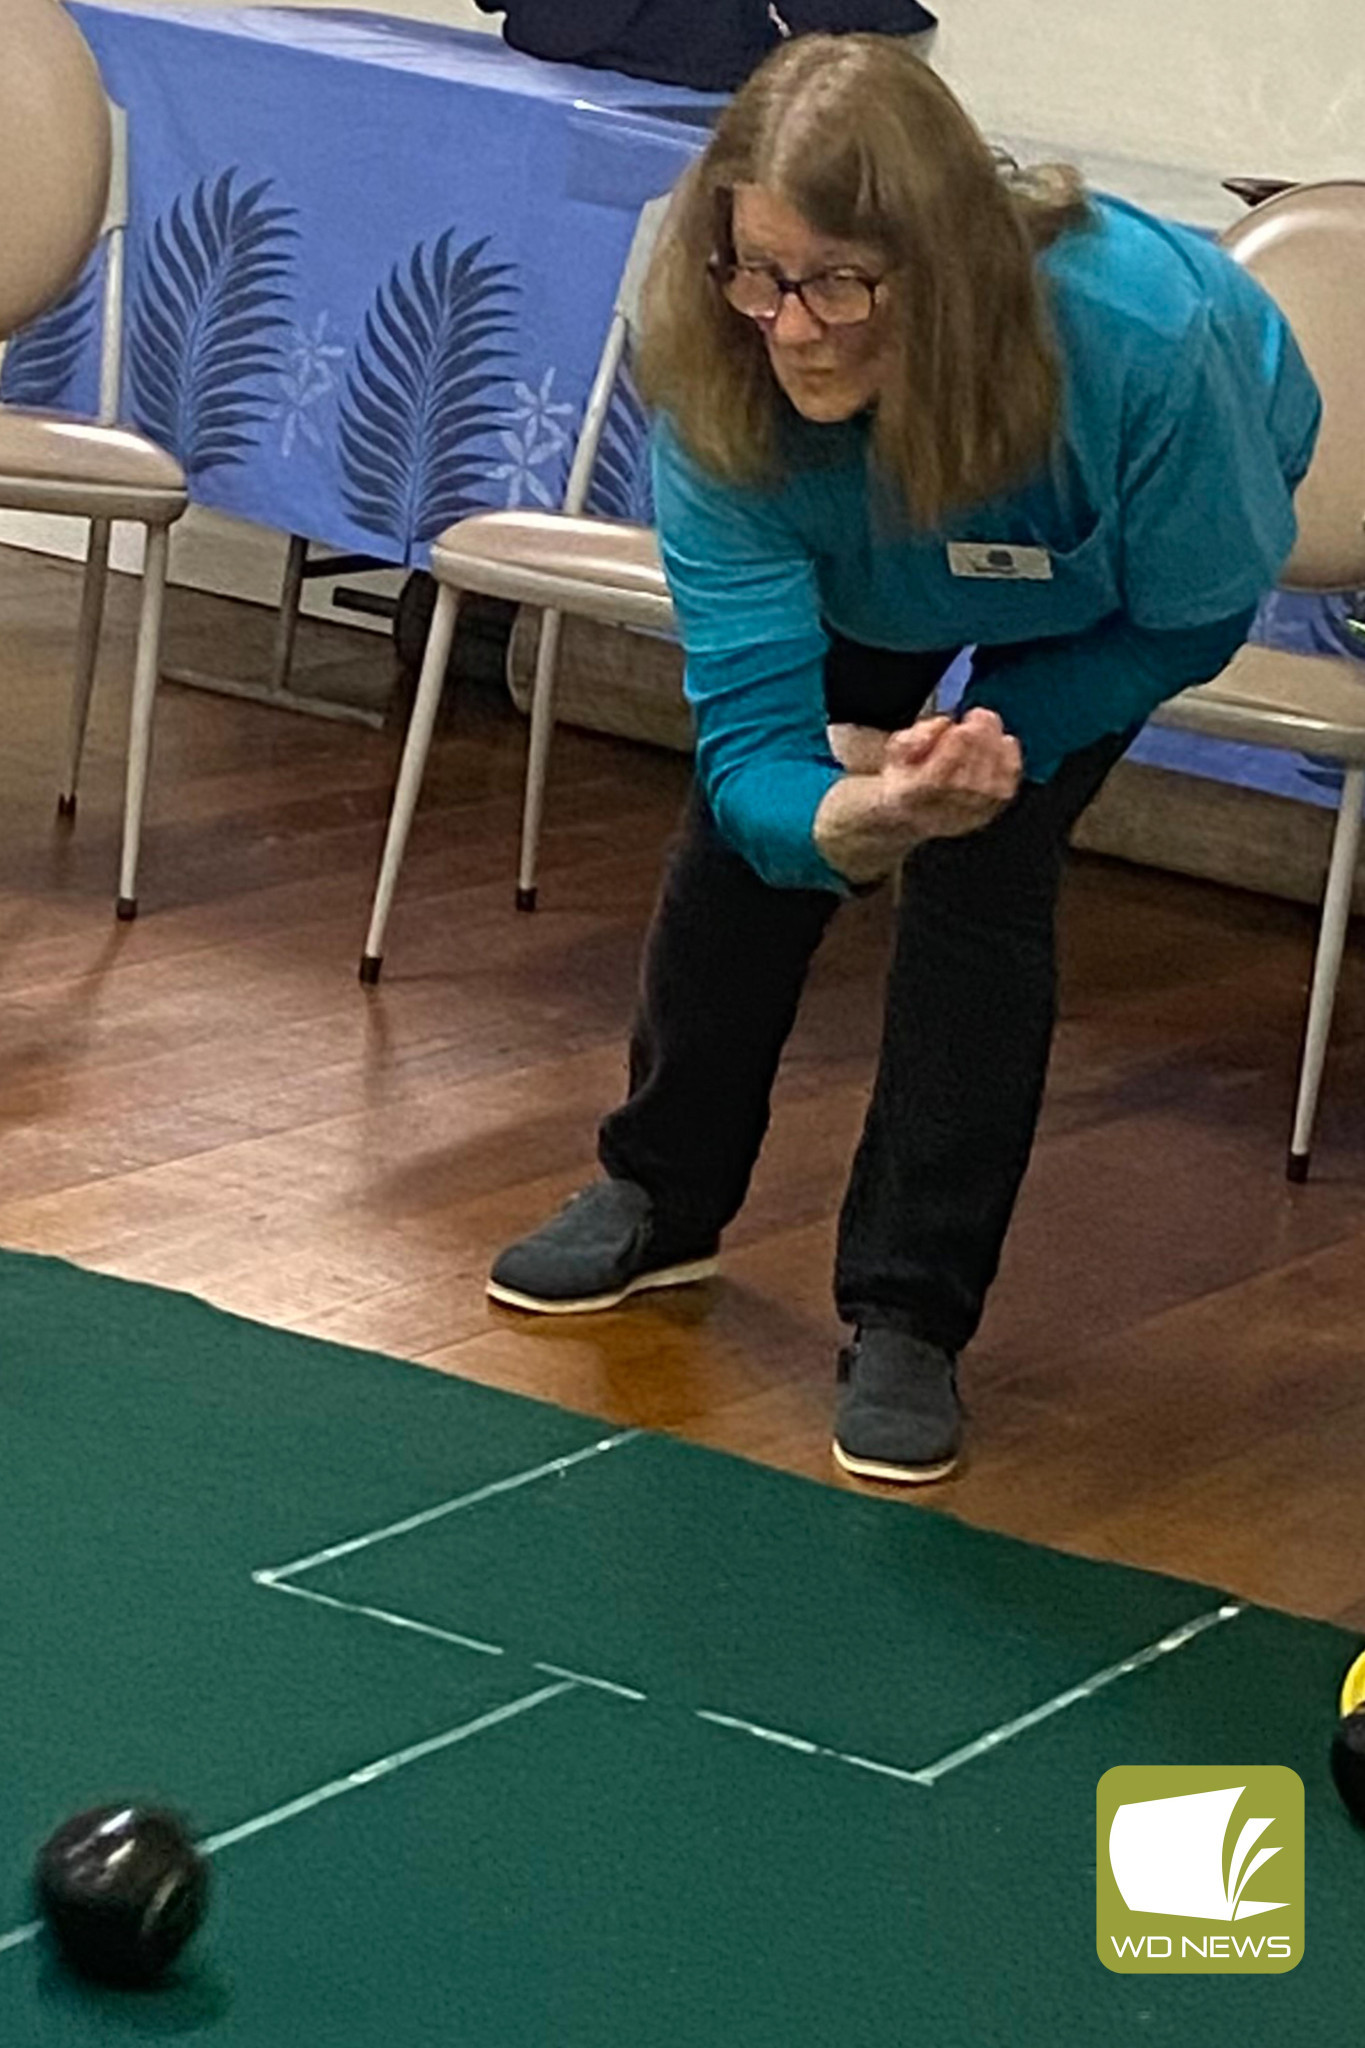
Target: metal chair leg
<point>538,755</point>
<point>413,765</point>
<point>145,678</point>
<point>287,621</point>
<point>87,654</point>
<point>1336,915</point>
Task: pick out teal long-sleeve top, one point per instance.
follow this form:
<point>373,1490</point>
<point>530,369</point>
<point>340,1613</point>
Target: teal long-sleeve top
<point>1126,570</point>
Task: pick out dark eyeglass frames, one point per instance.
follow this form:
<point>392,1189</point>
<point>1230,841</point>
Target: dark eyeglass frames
<point>836,298</point>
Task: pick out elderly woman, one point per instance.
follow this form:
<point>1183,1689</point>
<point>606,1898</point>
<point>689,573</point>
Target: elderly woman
<point>909,405</point>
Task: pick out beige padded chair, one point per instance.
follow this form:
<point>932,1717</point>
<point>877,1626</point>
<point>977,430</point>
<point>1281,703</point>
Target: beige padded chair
<point>598,569</point>
<point>1307,247</point>
<point>63,183</point>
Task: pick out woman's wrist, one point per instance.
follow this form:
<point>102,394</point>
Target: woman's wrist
<point>858,833</point>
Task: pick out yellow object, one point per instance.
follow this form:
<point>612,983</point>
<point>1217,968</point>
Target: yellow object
<point>1353,1690</point>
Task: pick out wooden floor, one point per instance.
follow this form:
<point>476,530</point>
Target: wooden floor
<point>1170,1373</point>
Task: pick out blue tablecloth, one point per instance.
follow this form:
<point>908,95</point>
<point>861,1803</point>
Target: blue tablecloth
<point>371,267</point>
<point>371,262</point>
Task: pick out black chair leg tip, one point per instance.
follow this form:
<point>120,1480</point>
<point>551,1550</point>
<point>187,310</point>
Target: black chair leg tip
<point>66,807</point>
<point>1297,1168</point>
<point>526,899</point>
<point>370,964</point>
<point>126,909</point>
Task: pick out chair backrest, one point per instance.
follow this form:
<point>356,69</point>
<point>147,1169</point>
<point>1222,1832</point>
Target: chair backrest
<point>630,292</point>
<point>116,205</point>
<point>1307,247</point>
<point>625,325</point>
<point>113,232</point>
<point>55,157</point>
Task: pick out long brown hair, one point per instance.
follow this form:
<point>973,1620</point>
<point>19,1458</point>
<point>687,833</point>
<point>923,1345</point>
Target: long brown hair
<point>869,145</point>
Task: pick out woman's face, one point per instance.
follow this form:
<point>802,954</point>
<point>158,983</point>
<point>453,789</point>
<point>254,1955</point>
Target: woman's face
<point>828,373</point>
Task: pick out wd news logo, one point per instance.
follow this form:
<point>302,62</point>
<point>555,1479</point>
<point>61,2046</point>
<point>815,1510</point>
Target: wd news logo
<point>1199,1870</point>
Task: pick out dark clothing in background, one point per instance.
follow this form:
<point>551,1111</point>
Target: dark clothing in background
<point>708,45</point>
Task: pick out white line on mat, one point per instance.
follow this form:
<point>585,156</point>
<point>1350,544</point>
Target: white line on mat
<point>929,1774</point>
<point>623,1692</point>
<point>1006,1732</point>
<point>384,1767</point>
<point>448,1507</point>
<point>354,1781</point>
<point>420,1628</point>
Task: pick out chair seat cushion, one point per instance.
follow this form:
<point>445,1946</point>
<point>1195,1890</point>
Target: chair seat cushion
<point>597,568</point>
<point>1268,696</point>
<point>50,462</point>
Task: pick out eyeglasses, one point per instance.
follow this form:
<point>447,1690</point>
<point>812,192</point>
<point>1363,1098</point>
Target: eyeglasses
<point>836,298</point>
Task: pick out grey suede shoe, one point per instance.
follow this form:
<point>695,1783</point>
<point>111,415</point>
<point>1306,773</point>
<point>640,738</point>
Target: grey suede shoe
<point>899,1419</point>
<point>602,1246</point>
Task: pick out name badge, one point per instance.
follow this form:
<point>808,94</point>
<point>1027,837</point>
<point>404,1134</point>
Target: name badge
<point>999,561</point>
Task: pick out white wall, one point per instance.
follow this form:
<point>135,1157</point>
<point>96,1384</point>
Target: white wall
<point>1243,87</point>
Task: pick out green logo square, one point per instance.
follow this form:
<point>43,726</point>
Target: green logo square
<point>1199,1869</point>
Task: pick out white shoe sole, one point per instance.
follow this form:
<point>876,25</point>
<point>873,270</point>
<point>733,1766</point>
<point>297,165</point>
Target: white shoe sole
<point>892,1475</point>
<point>591,1304</point>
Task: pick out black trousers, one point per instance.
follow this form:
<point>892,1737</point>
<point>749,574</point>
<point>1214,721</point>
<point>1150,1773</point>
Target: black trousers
<point>970,1007</point>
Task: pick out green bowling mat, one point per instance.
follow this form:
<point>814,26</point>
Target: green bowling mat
<point>507,1728</point>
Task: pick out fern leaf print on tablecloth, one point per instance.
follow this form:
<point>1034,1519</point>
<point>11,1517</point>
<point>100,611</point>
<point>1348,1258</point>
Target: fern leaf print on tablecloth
<point>207,318</point>
<point>621,487</point>
<point>41,361</point>
<point>426,392</point>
